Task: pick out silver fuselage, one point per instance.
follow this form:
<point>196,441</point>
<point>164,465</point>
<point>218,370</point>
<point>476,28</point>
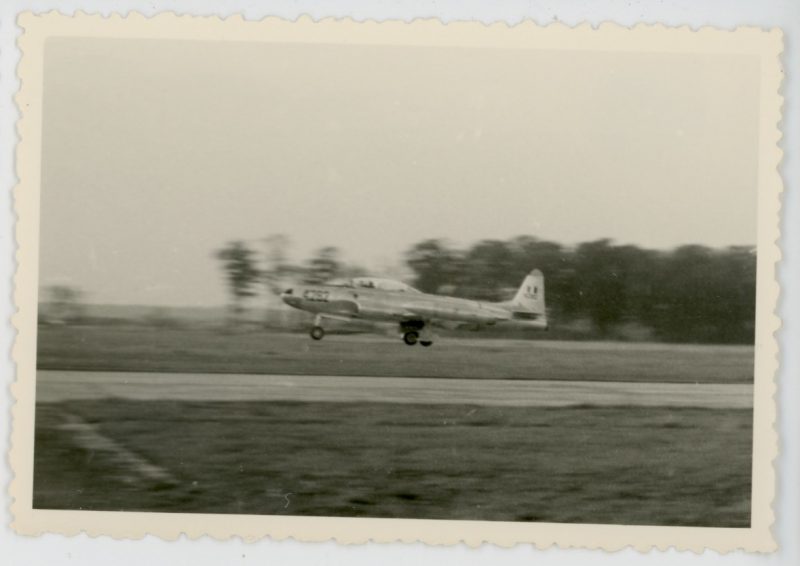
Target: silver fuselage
<point>399,306</point>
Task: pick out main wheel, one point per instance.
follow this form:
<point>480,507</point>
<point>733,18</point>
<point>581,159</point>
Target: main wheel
<point>410,337</point>
<point>426,343</point>
<point>317,333</point>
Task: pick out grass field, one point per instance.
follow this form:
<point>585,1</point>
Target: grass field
<point>620,464</point>
<point>132,348</point>
<point>599,465</point>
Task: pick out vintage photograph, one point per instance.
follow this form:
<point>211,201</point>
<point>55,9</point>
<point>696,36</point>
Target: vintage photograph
<point>439,280</point>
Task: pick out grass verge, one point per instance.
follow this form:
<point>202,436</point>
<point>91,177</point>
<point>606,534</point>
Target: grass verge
<point>211,351</point>
<point>618,465</point>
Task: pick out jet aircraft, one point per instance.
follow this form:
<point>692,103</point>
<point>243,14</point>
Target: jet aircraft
<point>386,300</point>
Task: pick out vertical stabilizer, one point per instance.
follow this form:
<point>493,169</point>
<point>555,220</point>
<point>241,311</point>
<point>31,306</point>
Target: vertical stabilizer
<point>530,297</point>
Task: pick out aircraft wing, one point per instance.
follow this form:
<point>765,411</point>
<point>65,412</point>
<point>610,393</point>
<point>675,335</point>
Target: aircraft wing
<point>338,317</point>
<point>409,314</point>
<point>343,306</point>
<point>342,309</point>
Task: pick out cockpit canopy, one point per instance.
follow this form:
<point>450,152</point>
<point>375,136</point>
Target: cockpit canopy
<point>378,283</point>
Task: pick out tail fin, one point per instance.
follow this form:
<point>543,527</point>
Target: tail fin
<point>530,297</point>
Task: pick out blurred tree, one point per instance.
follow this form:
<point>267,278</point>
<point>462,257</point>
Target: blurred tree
<point>350,271</point>
<point>63,304</point>
<point>637,268</point>
<point>276,263</point>
<point>706,295</point>
<point>434,265</point>
<point>600,284</point>
<point>490,268</point>
<point>238,262</point>
<point>277,246</point>
<point>739,271</point>
<point>690,294</point>
<point>533,253</point>
<point>324,265</point>
<point>677,294</point>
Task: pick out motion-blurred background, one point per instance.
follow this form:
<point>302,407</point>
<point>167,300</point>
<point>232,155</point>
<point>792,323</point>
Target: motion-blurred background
<point>595,290</point>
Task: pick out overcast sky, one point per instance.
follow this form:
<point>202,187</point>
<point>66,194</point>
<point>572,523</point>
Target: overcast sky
<point>156,153</point>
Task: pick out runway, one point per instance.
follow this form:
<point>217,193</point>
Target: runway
<point>56,385</point>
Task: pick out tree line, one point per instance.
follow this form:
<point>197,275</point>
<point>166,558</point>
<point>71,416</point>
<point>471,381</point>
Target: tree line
<point>688,294</point>
<point>691,293</point>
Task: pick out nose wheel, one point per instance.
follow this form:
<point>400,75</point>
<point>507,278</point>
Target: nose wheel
<point>317,332</point>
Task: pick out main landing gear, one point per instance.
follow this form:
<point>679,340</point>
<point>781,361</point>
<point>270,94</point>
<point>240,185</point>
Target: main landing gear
<point>416,333</point>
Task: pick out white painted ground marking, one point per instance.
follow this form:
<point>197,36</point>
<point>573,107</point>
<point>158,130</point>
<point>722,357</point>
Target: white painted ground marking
<point>87,437</point>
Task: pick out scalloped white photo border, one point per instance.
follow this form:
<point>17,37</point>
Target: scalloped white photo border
<point>767,45</point>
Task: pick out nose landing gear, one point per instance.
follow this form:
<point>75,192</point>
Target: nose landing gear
<point>317,332</point>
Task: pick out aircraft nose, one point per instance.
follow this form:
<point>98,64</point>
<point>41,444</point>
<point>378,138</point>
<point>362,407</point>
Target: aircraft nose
<point>288,297</point>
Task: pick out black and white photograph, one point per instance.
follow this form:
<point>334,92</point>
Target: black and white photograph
<point>521,283</point>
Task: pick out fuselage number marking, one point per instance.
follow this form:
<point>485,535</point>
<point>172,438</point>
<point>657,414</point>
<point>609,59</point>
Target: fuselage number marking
<point>316,295</point>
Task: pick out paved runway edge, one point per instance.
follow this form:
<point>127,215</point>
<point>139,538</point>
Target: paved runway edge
<point>57,386</point>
